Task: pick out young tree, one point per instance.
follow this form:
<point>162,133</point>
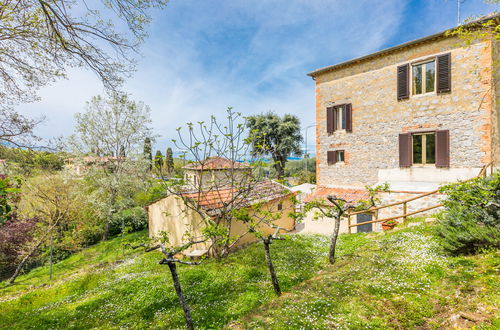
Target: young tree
<point>209,146</point>
<point>275,136</point>
<point>260,218</point>
<point>170,259</point>
<point>337,208</point>
<point>110,127</point>
<point>169,161</point>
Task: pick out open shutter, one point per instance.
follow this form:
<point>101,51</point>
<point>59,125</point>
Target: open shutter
<point>331,157</point>
<point>405,157</point>
<point>348,117</point>
<point>443,148</point>
<point>403,87</point>
<point>443,72</point>
<point>329,120</point>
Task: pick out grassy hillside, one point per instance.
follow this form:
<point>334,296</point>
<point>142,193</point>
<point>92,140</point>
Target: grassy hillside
<point>100,288</point>
<point>396,279</point>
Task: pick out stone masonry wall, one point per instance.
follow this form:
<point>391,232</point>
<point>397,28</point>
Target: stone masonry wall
<point>496,108</point>
<point>378,117</point>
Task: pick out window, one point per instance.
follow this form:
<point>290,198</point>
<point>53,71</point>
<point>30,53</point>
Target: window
<point>280,206</point>
<point>339,117</point>
<point>432,75</point>
<point>424,77</point>
<point>337,156</point>
<point>339,113</point>
<point>340,156</point>
<point>424,148</point>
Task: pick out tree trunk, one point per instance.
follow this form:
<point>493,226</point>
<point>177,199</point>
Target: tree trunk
<point>50,270</point>
<point>333,240</point>
<point>180,295</point>
<point>270,266</point>
<point>112,201</point>
<point>23,262</point>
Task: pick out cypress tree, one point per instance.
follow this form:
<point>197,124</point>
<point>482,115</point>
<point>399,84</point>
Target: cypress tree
<point>169,161</point>
<point>158,160</point>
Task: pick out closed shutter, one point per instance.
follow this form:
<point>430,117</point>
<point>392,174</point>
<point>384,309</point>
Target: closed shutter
<point>331,157</point>
<point>443,72</point>
<point>403,88</point>
<point>443,148</point>
<point>405,157</point>
<point>348,117</point>
<point>329,120</point>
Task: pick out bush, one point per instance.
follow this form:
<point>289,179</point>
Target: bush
<point>472,220</point>
<point>133,219</point>
<point>14,235</point>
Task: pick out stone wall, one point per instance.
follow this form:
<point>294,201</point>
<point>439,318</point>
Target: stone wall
<point>378,117</point>
<point>496,108</point>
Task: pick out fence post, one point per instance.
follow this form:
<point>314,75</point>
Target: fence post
<point>349,221</point>
<point>404,212</point>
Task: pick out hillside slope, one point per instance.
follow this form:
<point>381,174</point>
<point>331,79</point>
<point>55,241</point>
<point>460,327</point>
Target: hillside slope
<point>101,288</point>
<point>397,280</point>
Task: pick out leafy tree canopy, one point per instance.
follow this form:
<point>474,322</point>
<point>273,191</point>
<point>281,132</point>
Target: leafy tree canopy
<point>276,136</point>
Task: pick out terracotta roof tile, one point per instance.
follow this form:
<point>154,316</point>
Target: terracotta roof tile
<point>262,191</point>
<point>350,195</point>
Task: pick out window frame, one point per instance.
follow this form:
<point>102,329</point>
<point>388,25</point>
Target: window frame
<point>337,156</point>
<point>424,149</point>
<point>424,76</point>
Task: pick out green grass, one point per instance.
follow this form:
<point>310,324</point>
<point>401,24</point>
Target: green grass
<point>398,280</point>
<point>93,289</point>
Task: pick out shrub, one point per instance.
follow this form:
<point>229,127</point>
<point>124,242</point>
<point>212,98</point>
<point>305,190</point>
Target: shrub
<point>14,235</point>
<point>133,219</point>
<point>472,219</point>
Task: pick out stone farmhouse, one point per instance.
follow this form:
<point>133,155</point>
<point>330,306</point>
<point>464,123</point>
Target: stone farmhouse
<point>171,215</point>
<point>416,116</point>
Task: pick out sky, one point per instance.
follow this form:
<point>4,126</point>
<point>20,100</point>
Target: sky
<point>203,56</point>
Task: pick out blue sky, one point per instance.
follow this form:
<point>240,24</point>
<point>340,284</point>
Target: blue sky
<point>205,55</point>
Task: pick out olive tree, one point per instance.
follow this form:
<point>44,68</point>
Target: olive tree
<point>170,259</point>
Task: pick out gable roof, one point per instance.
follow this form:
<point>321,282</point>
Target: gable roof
<point>389,50</point>
<point>216,163</point>
<point>211,201</point>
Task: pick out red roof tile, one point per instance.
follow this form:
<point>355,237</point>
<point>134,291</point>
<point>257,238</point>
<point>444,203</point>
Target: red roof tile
<point>262,191</point>
<point>350,195</point>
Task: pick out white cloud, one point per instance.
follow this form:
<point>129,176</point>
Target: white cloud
<point>203,56</point>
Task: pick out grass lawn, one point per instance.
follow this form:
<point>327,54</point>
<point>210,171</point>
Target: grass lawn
<point>101,288</point>
<point>398,280</point>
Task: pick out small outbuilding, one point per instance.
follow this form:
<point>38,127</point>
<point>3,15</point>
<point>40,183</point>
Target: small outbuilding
<point>173,216</point>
